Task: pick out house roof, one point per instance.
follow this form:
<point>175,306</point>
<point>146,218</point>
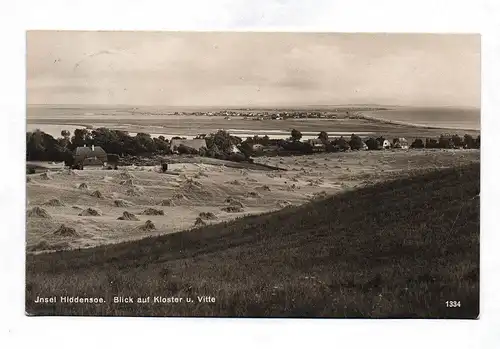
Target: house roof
<point>315,141</point>
<point>83,153</point>
<point>191,143</point>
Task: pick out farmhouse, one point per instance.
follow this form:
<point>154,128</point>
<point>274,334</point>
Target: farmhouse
<point>90,156</point>
<point>190,143</point>
<point>386,144</point>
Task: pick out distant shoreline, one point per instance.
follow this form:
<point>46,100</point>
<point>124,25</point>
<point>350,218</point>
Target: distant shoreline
<point>410,124</point>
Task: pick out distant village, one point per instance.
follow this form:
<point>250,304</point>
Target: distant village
<point>282,115</point>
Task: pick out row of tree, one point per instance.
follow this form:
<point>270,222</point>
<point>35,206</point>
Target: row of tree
<point>43,147</point>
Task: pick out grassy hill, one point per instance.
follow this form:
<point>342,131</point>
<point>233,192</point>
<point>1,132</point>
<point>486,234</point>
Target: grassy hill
<point>397,249</point>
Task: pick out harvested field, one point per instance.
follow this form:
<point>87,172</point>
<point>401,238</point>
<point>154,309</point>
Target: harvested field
<point>182,200</point>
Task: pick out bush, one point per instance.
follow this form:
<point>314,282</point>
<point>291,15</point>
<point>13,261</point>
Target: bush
<point>458,141</point>
<point>418,144</point>
<point>356,143</point>
<point>183,149</point>
<point>296,135</point>
<point>373,144</point>
<point>341,144</point>
<point>469,142</point>
<point>431,143</point>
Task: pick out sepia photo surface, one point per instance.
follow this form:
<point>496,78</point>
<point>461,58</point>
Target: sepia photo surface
<point>245,174</point>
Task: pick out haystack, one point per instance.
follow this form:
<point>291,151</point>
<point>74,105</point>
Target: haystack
<point>153,212</point>
<point>97,194</point>
<point>69,172</point>
<point>207,215</point>
<point>190,183</point>
<point>38,212</point>
<point>129,182</point>
<point>263,188</point>
<point>65,231</point>
<point>127,216</point>
<point>166,202</point>
<point>234,182</point>
<point>83,186</point>
<point>126,175</point>
<point>199,222</point>
<point>122,203</point>
<point>319,195</point>
<point>45,176</point>
<point>178,196</point>
<point>54,202</point>
<point>90,212</point>
<point>284,203</point>
<point>147,226</point>
<point>232,209</point>
<point>132,192</point>
<point>233,202</point>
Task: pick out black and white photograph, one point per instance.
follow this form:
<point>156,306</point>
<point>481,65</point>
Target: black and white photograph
<point>253,174</point>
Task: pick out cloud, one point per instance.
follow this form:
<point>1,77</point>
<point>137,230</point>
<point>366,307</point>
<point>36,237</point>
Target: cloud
<point>182,68</point>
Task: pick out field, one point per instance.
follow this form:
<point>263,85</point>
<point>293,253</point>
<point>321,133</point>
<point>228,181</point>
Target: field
<point>88,203</point>
<point>398,248</point>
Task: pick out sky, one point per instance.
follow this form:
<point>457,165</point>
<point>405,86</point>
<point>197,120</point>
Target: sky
<point>252,69</point>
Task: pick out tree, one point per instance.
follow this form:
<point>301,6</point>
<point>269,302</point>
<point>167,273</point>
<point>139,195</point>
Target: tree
<point>356,143</point>
<point>445,142</point>
<point>431,143</point>
<point>373,144</point>
<point>323,136</point>
<point>65,134</point>
<point>418,144</point>
<point>458,142</point>
<point>81,136</point>
<point>296,135</point>
<point>381,141</point>
<point>478,142</point>
<point>469,142</point>
<point>341,144</point>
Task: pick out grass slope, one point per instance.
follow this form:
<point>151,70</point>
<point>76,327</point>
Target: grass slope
<point>397,249</point>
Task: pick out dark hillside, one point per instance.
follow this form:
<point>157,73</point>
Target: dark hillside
<point>397,249</point>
